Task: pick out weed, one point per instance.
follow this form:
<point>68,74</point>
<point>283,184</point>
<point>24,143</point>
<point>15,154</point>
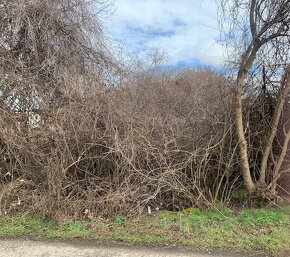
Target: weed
<point>120,220</point>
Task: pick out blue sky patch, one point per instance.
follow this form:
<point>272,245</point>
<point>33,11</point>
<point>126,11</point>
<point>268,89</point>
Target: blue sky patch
<point>185,29</point>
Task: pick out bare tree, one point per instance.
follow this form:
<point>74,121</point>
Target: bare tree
<point>43,43</point>
<point>258,31</point>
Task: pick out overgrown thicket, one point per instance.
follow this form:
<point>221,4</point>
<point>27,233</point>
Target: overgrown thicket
<point>157,141</point>
<point>83,135</point>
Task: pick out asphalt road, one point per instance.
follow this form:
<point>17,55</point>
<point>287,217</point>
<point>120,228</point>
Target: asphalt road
<point>50,248</point>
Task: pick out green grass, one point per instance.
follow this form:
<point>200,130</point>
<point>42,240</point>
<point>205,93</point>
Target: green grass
<point>35,226</point>
<point>259,230</point>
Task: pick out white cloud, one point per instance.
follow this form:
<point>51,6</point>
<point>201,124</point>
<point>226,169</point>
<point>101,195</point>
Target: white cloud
<point>185,29</point>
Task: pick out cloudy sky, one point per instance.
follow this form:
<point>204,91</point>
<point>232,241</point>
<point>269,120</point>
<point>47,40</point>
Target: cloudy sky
<point>185,29</point>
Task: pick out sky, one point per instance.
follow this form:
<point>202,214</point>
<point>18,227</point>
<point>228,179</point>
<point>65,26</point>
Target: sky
<point>187,30</point>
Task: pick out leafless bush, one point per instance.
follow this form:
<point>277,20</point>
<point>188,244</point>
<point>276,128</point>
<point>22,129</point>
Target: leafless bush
<point>159,141</point>
<point>71,144</point>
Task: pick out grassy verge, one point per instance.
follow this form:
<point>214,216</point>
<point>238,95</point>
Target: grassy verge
<point>259,230</point>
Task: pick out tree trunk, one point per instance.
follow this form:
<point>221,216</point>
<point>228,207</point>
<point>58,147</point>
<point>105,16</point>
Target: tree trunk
<point>276,120</point>
<point>284,132</point>
<point>246,62</point>
<point>248,181</point>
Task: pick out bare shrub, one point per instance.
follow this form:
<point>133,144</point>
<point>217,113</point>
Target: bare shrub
<point>71,144</point>
<point>161,141</point>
